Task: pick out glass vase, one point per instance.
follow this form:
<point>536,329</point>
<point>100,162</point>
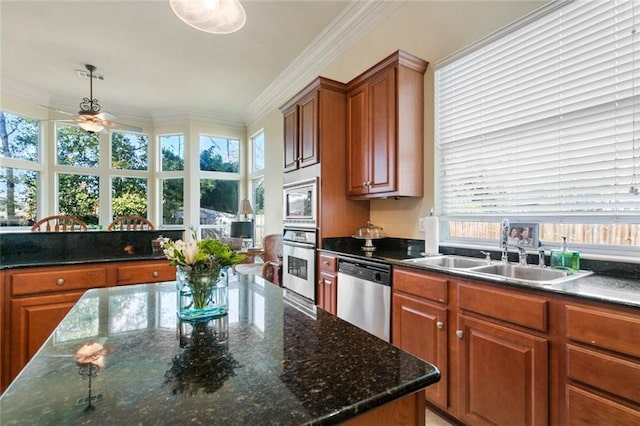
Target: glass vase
<point>202,295</point>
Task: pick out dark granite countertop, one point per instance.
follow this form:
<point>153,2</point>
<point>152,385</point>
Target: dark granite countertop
<point>274,364</point>
<point>622,288</point>
<point>27,249</point>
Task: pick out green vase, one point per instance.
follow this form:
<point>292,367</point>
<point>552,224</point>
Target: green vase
<point>202,294</point>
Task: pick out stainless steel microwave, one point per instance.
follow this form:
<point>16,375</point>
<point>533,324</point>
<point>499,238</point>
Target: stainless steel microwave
<point>301,203</point>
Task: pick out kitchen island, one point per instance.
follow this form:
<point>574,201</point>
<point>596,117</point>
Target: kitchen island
<point>266,362</point>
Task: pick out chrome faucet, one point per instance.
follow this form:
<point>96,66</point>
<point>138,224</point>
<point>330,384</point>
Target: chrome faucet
<point>522,254</point>
<point>504,241</point>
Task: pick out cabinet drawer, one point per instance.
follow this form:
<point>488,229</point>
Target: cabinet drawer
<point>614,375</point>
<point>586,408</point>
<point>527,311</point>
<point>56,281</point>
<point>140,274</point>
<point>604,329</point>
<point>428,286</point>
<point>328,263</point>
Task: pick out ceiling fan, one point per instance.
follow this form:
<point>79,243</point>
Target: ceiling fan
<point>90,118</point>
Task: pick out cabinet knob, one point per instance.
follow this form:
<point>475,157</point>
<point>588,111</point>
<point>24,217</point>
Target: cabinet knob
<point>60,281</point>
<point>326,263</point>
<point>440,325</point>
<point>155,274</point>
<point>459,333</point>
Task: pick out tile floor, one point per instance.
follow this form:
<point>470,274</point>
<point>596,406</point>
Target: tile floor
<point>433,419</point>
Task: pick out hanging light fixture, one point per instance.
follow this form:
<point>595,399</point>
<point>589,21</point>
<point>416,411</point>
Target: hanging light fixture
<point>211,16</point>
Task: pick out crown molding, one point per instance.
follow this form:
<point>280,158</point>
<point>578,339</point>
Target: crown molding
<point>180,117</point>
<point>351,25</point>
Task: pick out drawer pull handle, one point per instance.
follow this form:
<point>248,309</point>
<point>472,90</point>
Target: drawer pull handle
<point>459,333</point>
<point>155,274</point>
<point>60,281</point>
<point>440,325</point>
<point>326,263</point>
<point>327,282</point>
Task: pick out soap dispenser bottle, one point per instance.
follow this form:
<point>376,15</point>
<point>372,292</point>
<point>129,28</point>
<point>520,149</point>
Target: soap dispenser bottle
<point>564,258</point>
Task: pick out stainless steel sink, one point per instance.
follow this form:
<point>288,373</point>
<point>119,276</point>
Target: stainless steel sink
<point>530,274</point>
<point>455,262</point>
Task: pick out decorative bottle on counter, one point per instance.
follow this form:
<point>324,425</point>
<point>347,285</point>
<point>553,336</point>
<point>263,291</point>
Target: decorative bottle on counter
<point>565,259</point>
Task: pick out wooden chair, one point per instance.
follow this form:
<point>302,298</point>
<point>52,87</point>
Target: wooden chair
<point>130,223</point>
<point>59,223</point>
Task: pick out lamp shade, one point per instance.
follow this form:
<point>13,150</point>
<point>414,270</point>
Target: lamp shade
<point>245,208</point>
<point>241,230</point>
<point>211,16</point>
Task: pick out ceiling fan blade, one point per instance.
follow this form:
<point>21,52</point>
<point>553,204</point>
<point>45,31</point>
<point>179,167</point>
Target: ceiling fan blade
<point>105,115</point>
<point>57,110</point>
<point>119,126</point>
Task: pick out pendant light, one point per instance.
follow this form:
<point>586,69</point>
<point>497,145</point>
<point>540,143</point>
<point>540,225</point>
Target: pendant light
<point>211,16</point>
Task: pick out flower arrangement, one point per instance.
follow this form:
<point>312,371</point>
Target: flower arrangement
<point>200,262</point>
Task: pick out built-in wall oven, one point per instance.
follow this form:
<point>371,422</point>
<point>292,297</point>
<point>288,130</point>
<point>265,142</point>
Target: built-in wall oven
<point>299,262</point>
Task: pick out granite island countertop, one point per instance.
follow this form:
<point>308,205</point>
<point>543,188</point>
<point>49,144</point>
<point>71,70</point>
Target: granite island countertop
<point>272,364</point>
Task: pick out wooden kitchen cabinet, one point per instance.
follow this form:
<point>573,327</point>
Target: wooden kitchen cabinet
<point>502,356</point>
<point>602,354</point>
<point>301,131</point>
<point>145,272</point>
<point>419,323</point>
<point>35,299</point>
<point>385,108</point>
<point>327,289</point>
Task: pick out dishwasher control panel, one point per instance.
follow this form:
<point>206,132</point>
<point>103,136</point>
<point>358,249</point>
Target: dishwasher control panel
<point>377,273</point>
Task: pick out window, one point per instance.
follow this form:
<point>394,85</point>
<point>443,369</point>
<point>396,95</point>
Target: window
<point>219,183</point>
<point>540,123</point>
<point>129,181</point>
<point>256,179</point>
<point>20,169</point>
<point>172,148</point>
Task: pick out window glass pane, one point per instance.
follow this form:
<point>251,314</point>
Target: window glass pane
<point>172,147</point>
<point>258,152</point>
<point>77,147</point>
<point>257,187</point>
<point>19,138</point>
<point>129,151</point>
<point>78,195</point>
<point>18,196</point>
<point>219,154</point>
<point>172,201</point>
<point>129,196</point>
<point>218,201</point>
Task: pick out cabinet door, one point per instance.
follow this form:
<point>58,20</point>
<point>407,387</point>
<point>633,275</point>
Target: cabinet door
<point>357,141</point>
<point>419,328</point>
<point>33,319</point>
<point>308,150</point>
<point>291,139</point>
<point>504,375</point>
<point>327,292</point>
<point>382,125</point>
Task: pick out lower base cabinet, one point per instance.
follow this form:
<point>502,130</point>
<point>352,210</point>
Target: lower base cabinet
<point>518,356</point>
<point>418,328</point>
<point>503,374</point>
<point>36,299</point>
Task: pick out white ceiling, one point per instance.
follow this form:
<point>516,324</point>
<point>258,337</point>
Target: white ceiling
<point>154,64</point>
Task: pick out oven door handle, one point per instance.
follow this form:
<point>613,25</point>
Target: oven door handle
<point>300,245</point>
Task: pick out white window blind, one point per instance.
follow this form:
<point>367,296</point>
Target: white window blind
<point>539,121</point>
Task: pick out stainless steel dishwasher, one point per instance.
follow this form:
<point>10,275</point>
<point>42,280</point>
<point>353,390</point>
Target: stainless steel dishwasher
<point>364,295</point>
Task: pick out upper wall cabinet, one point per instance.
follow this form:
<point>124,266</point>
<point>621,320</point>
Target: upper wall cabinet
<point>301,124</point>
<point>385,129</point>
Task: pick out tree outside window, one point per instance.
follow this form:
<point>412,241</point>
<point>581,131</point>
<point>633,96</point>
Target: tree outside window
<point>19,178</point>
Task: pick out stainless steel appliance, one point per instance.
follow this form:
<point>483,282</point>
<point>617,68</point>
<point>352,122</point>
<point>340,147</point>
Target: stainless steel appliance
<point>364,296</point>
<point>300,203</point>
<point>299,262</point>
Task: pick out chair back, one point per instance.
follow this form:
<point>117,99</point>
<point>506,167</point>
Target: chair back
<point>130,223</point>
<point>272,246</point>
<point>59,223</point>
